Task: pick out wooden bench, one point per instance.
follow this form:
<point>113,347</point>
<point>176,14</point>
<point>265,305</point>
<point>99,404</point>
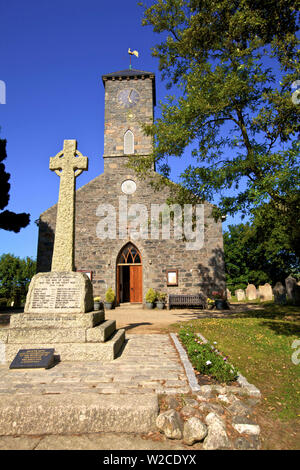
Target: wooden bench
<point>187,300</point>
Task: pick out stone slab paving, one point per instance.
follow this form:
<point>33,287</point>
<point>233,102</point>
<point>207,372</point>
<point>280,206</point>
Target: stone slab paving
<point>147,364</point>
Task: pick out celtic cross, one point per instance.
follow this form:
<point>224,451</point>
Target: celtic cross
<point>67,164</point>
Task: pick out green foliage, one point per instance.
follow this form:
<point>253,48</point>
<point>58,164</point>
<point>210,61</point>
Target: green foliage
<point>234,64</point>
<point>15,276</point>
<point>161,296</point>
<point>150,296</point>
<point>256,254</point>
<point>110,295</point>
<point>205,358</point>
<point>8,220</point>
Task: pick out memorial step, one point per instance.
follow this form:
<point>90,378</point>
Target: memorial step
<point>79,413</point>
<point>57,320</point>
<point>71,351</point>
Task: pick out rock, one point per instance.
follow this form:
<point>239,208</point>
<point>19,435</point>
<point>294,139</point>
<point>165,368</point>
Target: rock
<point>171,402</point>
<point>205,391</point>
<point>239,408</point>
<point>245,426</point>
<point>216,437</point>
<point>227,398</point>
<point>194,431</point>
<point>252,443</point>
<point>188,411</point>
<point>170,423</point>
<point>211,407</point>
<point>191,402</point>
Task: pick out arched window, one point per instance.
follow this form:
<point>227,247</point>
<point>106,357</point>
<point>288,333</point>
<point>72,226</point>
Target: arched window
<point>128,142</point>
<point>129,255</point>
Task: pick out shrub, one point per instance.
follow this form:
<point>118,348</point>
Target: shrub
<point>205,358</point>
<point>110,295</point>
<point>150,296</point>
<point>161,296</point>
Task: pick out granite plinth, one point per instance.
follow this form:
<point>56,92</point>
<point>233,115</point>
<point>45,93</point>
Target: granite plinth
<point>57,320</point>
<point>59,292</point>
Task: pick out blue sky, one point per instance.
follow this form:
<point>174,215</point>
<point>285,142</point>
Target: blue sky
<point>53,54</point>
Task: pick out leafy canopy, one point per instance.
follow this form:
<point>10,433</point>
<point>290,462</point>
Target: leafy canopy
<point>15,276</point>
<point>8,220</point>
<point>235,63</point>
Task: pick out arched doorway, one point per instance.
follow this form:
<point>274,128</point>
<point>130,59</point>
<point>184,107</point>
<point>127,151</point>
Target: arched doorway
<point>129,275</point>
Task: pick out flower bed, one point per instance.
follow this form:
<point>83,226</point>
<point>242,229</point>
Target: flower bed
<point>205,358</point>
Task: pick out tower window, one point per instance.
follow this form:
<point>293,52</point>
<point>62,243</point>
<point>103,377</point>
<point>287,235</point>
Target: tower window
<point>128,142</point>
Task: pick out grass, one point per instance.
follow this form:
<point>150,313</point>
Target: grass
<point>259,343</point>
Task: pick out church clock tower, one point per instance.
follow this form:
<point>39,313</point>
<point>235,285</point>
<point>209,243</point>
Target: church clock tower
<point>129,103</point>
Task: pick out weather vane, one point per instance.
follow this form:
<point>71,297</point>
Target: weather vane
<point>132,53</point>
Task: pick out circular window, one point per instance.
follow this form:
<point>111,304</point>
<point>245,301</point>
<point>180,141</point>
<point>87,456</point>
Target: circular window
<point>128,187</point>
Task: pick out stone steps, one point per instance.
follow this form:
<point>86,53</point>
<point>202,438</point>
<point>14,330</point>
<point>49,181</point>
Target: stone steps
<point>80,351</point>
<point>80,413</point>
<point>75,337</point>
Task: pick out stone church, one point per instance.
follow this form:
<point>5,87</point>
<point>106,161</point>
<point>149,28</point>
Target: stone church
<point>119,257</point>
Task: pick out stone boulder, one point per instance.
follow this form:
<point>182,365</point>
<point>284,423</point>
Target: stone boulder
<point>216,437</point>
<point>171,424</point>
<point>194,431</point>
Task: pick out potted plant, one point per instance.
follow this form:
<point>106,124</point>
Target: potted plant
<point>97,303</point>
<point>161,300</point>
<point>150,298</point>
<point>210,303</point>
<point>219,300</point>
<point>109,299</point>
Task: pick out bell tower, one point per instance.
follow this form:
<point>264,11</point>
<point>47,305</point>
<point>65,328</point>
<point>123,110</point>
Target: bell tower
<point>129,103</point>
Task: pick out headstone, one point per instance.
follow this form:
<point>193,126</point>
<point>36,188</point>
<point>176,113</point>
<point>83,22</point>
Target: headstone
<point>228,294</point>
<point>279,292</point>
<point>292,290</point>
<point>33,359</point>
<point>265,292</point>
<point>251,292</point>
<point>240,295</point>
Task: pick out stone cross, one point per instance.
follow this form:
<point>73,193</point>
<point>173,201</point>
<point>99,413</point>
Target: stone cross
<point>67,166</point>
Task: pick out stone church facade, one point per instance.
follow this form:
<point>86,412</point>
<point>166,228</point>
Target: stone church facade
<point>117,258</point>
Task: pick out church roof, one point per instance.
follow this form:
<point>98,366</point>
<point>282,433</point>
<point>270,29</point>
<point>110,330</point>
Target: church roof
<point>128,73</point>
<point>131,73</point>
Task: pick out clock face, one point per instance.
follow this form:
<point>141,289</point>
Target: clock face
<point>128,97</point>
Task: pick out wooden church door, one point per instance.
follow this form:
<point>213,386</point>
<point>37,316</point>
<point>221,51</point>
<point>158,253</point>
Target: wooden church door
<point>136,294</point>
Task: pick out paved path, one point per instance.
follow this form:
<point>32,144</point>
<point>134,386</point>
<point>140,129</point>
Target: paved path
<point>148,364</point>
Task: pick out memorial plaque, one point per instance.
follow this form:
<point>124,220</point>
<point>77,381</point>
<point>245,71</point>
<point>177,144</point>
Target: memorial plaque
<point>61,292</point>
<point>33,359</point>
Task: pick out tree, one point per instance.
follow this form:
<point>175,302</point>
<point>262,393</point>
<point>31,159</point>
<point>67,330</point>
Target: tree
<point>15,276</point>
<point>251,257</point>
<point>234,62</point>
<point>8,220</point>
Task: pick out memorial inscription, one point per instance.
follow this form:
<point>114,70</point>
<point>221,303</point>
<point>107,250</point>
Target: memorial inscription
<point>33,359</point>
<point>56,292</point>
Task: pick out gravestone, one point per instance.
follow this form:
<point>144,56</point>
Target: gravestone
<point>279,292</point>
<point>292,290</point>
<point>251,292</point>
<point>228,294</point>
<point>265,292</point>
<point>58,311</point>
<point>240,295</point>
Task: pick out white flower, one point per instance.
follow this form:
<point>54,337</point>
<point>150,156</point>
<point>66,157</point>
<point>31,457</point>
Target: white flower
<point>208,363</point>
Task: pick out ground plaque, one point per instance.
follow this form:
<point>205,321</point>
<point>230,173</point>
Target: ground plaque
<point>33,359</point>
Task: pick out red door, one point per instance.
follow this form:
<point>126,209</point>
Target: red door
<point>136,283</point>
